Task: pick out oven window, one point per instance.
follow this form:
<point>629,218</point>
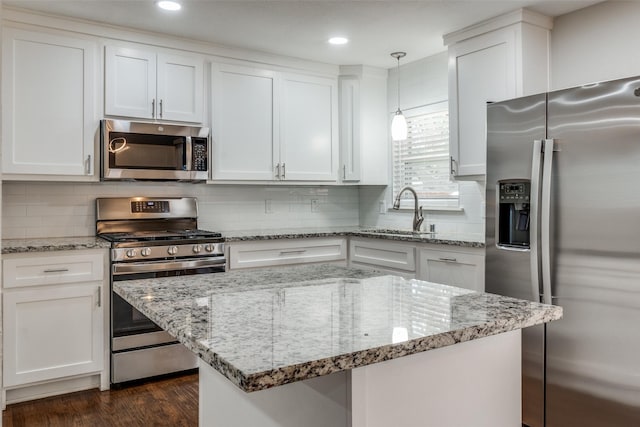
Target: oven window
<point>126,320</point>
<point>140,151</point>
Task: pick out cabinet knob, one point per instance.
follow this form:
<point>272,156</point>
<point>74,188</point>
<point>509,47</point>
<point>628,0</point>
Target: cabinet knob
<point>172,250</point>
<point>145,251</point>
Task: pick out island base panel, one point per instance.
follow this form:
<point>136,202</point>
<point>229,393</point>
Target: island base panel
<point>316,402</point>
<point>474,383</point>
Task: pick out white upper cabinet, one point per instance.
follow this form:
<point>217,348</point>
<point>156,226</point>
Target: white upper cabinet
<point>48,106</point>
<point>130,82</point>
<point>180,88</point>
<point>505,57</point>
<point>350,128</point>
<point>273,126</point>
<point>148,85</point>
<point>308,128</point>
<point>364,135</point>
<point>243,96</point>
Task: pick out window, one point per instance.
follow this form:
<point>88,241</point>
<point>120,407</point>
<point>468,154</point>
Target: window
<point>422,160</point>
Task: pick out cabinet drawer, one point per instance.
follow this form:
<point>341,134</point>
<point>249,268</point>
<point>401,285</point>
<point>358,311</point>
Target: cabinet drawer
<point>264,254</point>
<point>48,270</point>
<point>382,254</point>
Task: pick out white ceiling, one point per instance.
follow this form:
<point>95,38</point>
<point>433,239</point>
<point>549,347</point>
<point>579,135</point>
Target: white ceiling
<point>300,28</point>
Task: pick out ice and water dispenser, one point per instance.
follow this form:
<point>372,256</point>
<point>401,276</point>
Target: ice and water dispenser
<point>513,214</point>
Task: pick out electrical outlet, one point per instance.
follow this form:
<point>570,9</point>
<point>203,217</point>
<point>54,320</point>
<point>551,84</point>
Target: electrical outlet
<point>382,207</point>
<point>268,209</point>
<point>315,206</point>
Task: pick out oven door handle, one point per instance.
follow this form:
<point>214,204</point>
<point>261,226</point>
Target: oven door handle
<point>153,266</point>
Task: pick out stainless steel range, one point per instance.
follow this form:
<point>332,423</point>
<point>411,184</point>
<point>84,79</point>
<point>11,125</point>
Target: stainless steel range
<point>150,238</point>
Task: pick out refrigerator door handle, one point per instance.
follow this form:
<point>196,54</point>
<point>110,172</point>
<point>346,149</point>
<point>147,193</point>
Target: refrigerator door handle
<point>545,221</point>
<point>534,257</point>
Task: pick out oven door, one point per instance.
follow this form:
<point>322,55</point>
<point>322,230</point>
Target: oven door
<point>129,327</point>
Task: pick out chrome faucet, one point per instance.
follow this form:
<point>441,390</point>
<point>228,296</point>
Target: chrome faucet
<point>417,211</point>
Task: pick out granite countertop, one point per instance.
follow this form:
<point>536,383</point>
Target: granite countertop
<point>455,239</point>
<point>267,327</point>
<point>14,246</point>
<point>43,244</point>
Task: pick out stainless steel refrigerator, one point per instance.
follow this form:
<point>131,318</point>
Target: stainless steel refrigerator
<point>563,227</point>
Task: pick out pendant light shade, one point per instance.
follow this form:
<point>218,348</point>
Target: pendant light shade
<point>399,127</point>
<point>399,122</point>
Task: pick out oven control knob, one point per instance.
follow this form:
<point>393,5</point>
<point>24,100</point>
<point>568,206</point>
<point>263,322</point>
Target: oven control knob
<point>131,253</point>
<point>172,250</point>
<point>209,247</point>
<point>145,251</point>
<point>197,249</point>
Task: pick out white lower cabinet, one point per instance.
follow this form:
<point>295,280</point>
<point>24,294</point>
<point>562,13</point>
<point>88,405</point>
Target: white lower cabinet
<point>381,255</point>
<point>462,267</point>
<point>285,252</point>
<point>54,326</point>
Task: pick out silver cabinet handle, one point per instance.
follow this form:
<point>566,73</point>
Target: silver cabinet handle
<point>295,251</point>
<point>278,171</point>
<point>452,169</point>
<point>344,171</point>
<point>99,301</point>
<point>284,171</point>
<point>153,108</point>
<point>56,270</point>
<point>448,259</point>
<point>88,166</point>
<point>161,108</point>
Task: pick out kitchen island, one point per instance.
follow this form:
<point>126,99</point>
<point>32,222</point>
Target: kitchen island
<point>323,345</point>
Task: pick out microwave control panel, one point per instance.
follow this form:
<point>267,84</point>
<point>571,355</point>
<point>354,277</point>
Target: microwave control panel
<point>199,154</point>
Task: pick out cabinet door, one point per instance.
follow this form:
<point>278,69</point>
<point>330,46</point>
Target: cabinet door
<point>243,123</point>
<point>308,128</point>
<point>180,88</point>
<point>130,83</point>
<point>350,129</point>
<point>48,113</point>
<point>482,69</point>
<point>452,268</point>
<point>52,332</point>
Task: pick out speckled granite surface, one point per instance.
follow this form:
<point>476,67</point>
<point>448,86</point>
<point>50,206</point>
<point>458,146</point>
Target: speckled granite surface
<point>375,233</point>
<point>268,327</point>
<point>15,246</point>
<point>10,246</point>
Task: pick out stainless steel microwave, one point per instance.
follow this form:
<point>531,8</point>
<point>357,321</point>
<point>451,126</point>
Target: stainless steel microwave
<point>153,151</point>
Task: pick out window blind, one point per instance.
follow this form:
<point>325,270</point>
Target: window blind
<point>422,160</point>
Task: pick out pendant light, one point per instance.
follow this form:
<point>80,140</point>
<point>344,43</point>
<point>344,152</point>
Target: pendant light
<point>399,123</point>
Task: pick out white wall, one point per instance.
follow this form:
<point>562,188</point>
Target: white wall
<point>597,43</point>
<point>424,82</point>
<point>68,209</point>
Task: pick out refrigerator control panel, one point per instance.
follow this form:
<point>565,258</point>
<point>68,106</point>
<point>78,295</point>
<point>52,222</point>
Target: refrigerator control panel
<point>515,192</point>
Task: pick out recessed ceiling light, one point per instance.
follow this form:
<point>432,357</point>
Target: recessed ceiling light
<point>338,40</point>
<point>169,5</point>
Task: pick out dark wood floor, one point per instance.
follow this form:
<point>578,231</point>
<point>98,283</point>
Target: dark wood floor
<point>166,402</point>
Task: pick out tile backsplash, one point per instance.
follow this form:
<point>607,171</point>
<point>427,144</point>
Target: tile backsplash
<point>68,209</point>
<point>37,209</point>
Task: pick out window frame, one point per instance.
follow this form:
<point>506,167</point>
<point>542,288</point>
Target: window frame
<point>452,201</point>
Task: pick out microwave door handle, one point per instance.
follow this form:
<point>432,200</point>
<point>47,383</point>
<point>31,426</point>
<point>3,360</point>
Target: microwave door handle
<point>188,149</point>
